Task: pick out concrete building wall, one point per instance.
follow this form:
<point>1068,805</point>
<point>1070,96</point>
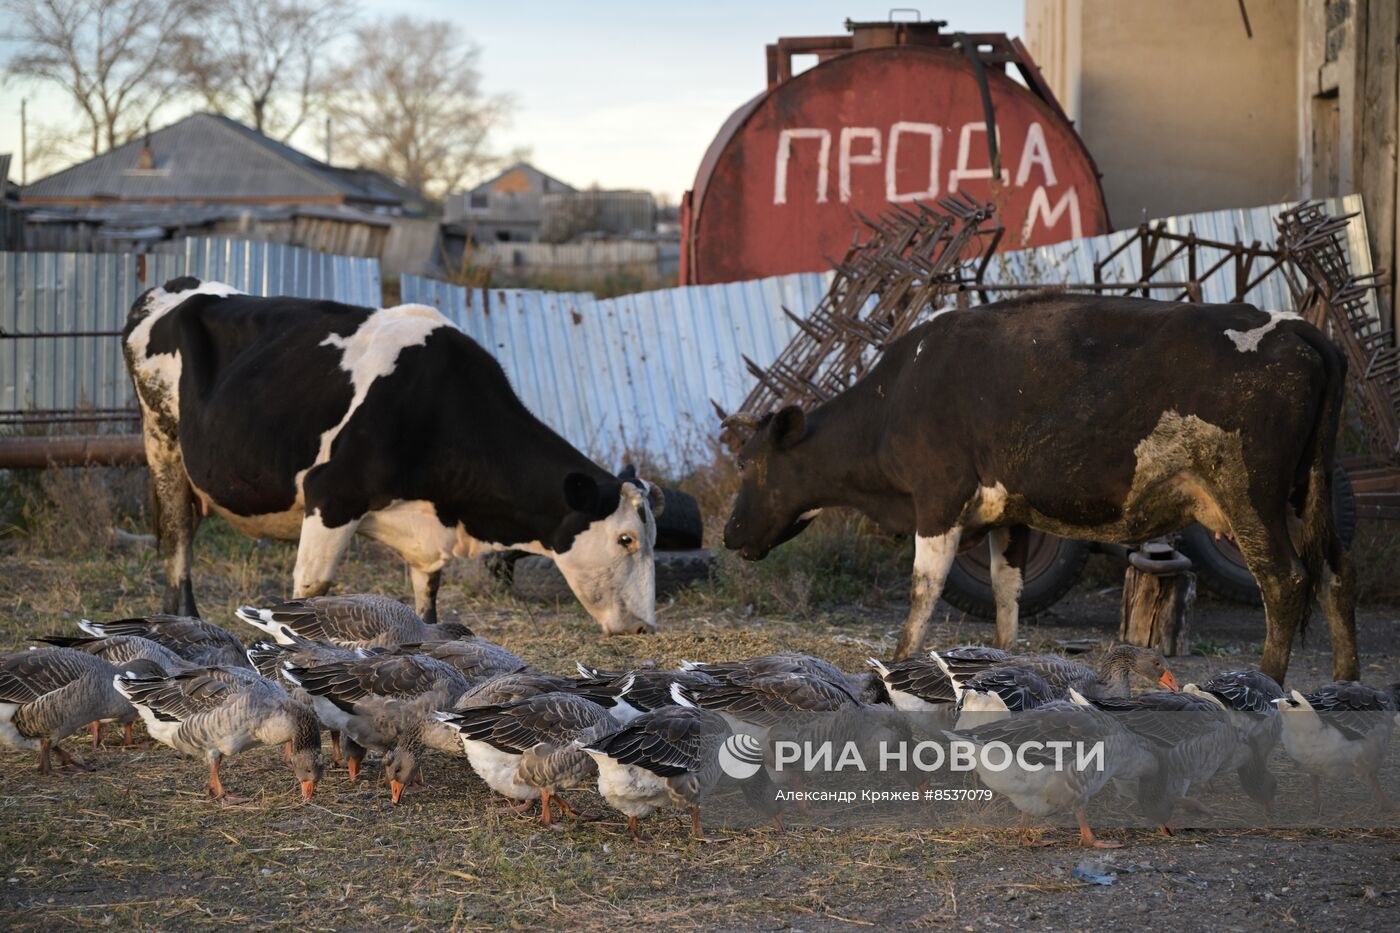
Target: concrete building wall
<point>1181,110</point>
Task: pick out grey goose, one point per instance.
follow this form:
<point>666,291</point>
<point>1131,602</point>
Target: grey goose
<point>362,620</point>
<point>206,714</point>
<point>48,694</point>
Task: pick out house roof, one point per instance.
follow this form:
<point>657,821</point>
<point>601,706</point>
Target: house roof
<point>551,184</point>
<point>208,157</point>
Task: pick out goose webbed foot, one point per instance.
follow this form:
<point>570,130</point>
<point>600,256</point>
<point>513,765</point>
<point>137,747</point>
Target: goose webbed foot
<point>129,738</point>
<point>583,816</point>
<point>1087,839</point>
<point>67,760</point>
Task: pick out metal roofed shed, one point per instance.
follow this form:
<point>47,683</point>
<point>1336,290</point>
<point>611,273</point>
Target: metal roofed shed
<point>506,208</point>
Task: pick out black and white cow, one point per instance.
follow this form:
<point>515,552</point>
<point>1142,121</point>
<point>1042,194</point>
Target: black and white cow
<point>314,421</point>
<point>1111,419</point>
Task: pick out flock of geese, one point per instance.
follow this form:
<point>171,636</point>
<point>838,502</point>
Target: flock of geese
<point>370,671</point>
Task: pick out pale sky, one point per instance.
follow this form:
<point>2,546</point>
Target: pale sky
<point>622,94</point>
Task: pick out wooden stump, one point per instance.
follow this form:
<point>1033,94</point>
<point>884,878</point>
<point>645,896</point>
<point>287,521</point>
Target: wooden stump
<point>1157,611</point>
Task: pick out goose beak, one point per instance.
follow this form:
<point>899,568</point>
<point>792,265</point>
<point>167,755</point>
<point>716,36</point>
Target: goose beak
<point>396,789</point>
<point>1168,681</point>
<point>307,789</point>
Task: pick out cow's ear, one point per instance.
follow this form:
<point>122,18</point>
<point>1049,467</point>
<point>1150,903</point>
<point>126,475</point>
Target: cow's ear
<point>581,493</point>
<point>657,499</point>
<point>628,474</point>
<point>789,427</point>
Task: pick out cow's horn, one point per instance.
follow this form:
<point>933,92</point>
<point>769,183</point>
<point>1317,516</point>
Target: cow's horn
<point>740,419</point>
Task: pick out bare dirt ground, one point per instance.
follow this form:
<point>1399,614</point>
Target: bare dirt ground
<point>136,844</point>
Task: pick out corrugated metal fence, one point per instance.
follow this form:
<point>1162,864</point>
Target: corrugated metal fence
<point>634,373</point>
<point>618,376</point>
<point>637,373</point>
<point>47,298</point>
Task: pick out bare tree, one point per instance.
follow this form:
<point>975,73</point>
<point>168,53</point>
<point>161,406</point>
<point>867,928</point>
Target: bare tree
<point>112,57</point>
<point>260,61</point>
<point>52,147</point>
<point>409,103</point>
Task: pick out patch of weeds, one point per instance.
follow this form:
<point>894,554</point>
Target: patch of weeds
<point>71,510</point>
<point>841,558</point>
<point>1214,649</point>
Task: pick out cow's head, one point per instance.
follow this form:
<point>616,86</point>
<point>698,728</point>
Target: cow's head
<point>772,504</point>
<point>604,548</point>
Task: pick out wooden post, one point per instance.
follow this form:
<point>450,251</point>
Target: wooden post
<point>1156,610</point>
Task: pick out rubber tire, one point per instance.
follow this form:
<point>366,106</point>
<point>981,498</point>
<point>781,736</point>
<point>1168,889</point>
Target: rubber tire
<point>966,592</point>
<point>679,527</point>
<point>1218,569</point>
<point>538,578</point>
<point>499,565</point>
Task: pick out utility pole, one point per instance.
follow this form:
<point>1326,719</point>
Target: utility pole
<point>328,140</point>
<point>23,141</point>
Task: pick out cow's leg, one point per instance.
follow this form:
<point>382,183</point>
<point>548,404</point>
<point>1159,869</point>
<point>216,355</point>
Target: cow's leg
<point>1283,583</point>
<point>1009,547</point>
<point>933,557</point>
<point>425,592</point>
<point>177,517</point>
<point>318,554</point>
<point>1337,593</point>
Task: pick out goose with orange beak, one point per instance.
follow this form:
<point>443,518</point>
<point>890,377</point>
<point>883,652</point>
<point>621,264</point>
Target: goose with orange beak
<point>205,715</point>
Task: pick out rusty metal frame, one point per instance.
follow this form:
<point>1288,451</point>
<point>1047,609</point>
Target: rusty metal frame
<point>899,264</point>
<point>1333,298</point>
<point>909,261</point>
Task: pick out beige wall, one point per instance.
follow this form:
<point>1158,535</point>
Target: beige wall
<point>1181,111</point>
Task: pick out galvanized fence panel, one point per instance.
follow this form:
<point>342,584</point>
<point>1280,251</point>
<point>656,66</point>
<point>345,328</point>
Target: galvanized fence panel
<point>48,372</point>
<point>636,374</point>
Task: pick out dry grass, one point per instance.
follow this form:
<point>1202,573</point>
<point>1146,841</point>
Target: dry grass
<point>135,845</point>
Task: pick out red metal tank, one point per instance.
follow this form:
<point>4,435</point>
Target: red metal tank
<point>892,114</point>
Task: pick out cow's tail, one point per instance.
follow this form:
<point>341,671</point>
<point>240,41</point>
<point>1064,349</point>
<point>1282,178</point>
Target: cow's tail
<point>1314,476</point>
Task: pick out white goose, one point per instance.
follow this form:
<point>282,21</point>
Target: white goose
<point>1339,730</point>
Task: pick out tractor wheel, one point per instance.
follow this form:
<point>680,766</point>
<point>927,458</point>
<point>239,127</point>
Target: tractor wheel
<point>1053,567</point>
<point>538,578</point>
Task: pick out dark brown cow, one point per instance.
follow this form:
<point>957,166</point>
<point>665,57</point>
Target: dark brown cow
<point>1112,419</point>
